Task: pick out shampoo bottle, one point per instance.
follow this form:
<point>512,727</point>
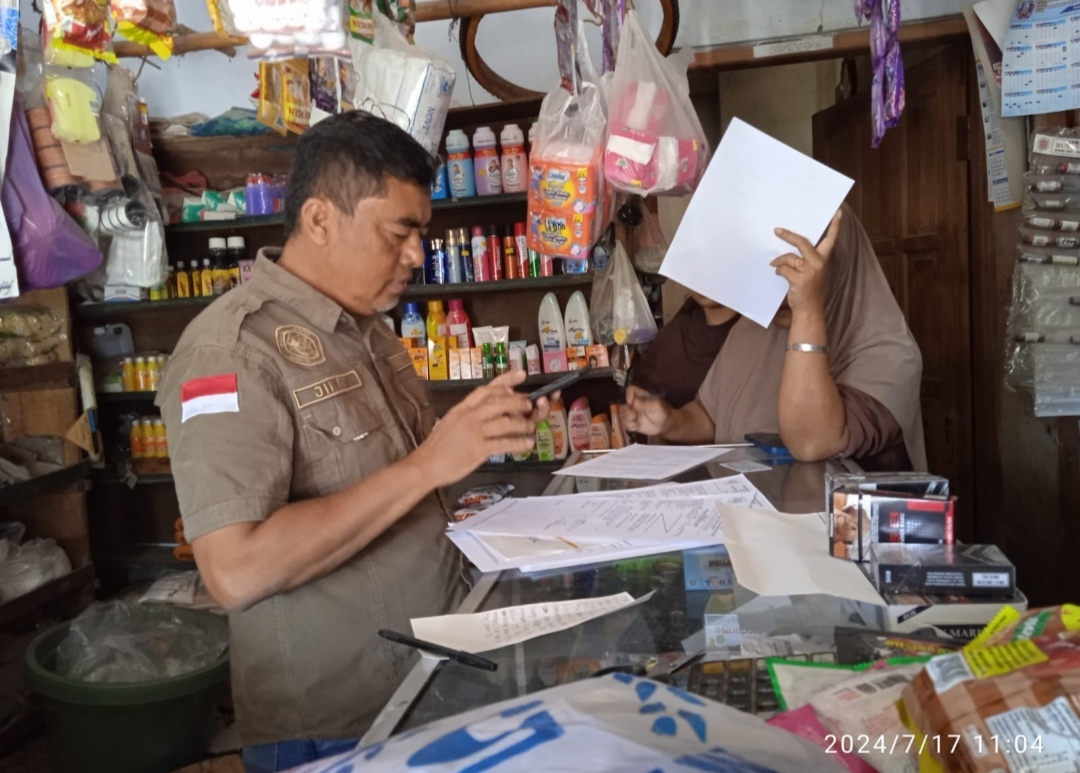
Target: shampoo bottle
<point>458,325</point>
<point>412,325</point>
<point>577,326</point>
<point>515,175</point>
<point>486,163</point>
<point>579,419</point>
<point>436,320</point>
<point>560,435</point>
<point>459,165</point>
<point>545,443</point>
<point>550,321</point>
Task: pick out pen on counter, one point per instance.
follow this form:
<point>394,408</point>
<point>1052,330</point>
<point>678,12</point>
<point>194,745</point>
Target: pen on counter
<point>464,658</point>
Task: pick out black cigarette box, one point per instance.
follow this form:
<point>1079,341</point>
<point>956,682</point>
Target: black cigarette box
<point>970,570</point>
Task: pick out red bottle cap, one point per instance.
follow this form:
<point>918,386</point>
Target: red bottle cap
<point>478,230</point>
<point>519,229</point>
<point>457,305</point>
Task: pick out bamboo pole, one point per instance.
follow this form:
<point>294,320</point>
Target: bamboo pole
<point>440,10</point>
<point>183,44</point>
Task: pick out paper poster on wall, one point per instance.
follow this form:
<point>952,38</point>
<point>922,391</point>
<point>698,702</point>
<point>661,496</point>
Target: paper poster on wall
<point>1041,60</point>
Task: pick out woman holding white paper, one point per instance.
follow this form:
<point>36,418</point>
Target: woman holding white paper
<point>836,374</point>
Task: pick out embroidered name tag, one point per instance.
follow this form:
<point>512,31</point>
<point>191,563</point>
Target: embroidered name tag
<point>325,389</point>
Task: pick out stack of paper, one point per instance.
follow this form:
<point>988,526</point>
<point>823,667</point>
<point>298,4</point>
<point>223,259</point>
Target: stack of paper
<point>542,533</point>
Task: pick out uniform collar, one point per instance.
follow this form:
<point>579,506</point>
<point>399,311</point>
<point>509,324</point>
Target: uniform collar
<point>291,290</point>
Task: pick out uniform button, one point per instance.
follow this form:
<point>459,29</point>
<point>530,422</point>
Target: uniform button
<point>336,431</point>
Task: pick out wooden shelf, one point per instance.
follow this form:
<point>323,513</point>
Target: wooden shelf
<point>126,397</point>
<point>52,375</point>
<point>112,310</point>
<point>278,218</point>
<point>50,591</point>
<point>536,380</point>
<point>49,483</point>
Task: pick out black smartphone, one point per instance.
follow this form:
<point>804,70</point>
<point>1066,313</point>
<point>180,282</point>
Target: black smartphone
<point>560,383</point>
<point>769,442</point>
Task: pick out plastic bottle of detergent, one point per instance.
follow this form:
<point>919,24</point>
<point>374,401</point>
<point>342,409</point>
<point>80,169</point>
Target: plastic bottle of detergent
<point>459,165</point>
<point>550,322</point>
<point>515,164</point>
<point>486,165</point>
<point>458,325</point>
<point>412,325</point>
<point>576,321</point>
<point>436,320</point>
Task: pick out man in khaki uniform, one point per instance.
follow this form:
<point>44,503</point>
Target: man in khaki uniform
<point>306,455</point>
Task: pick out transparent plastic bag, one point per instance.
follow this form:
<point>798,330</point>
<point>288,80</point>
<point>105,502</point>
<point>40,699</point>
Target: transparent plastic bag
<point>655,142</point>
<point>285,29</point>
<point>79,29</point>
<point>118,641</point>
<point>30,565</point>
<point>620,311</point>
<point>146,21</point>
<point>50,248</point>
<point>650,244</point>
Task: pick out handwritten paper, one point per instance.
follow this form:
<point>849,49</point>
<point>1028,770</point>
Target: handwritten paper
<point>641,462</point>
<point>726,240</point>
<point>497,628</point>
<point>569,518</point>
<point>733,490</point>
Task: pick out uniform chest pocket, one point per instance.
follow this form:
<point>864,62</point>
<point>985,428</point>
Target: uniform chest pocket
<point>343,439</point>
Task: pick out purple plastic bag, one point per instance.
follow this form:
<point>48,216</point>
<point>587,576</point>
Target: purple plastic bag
<point>50,248</point>
<point>887,92</point>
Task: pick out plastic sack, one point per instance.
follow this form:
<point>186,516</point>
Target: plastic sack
<point>29,336</point>
<point>650,244</point>
<point>30,565</point>
<point>612,723</point>
<point>620,311</point>
<point>284,29</point>
<point>407,85</point>
<point>655,143</point>
<point>50,248</point>
<point>118,641</point>
<point>146,21</point>
<point>78,27</point>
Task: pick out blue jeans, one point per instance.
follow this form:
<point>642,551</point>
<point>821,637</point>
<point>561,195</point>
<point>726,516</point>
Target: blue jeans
<point>274,757</point>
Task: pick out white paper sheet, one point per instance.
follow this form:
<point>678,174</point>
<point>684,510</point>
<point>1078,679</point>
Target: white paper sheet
<point>733,490</point>
<point>779,554</point>
<point>726,240</point>
<point>497,628</point>
<point>598,518</point>
<point>642,462</point>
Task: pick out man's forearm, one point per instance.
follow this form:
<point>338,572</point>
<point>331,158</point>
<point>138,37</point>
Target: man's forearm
<point>248,562</point>
<point>689,426</point>
<point>811,412</point>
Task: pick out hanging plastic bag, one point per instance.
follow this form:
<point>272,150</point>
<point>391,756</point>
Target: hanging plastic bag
<point>50,248</point>
<point>146,21</point>
<point>655,142</point>
<point>78,28</point>
<point>30,565</point>
<point>405,84</point>
<point>620,311</point>
<point>650,244</point>
<point>284,29</point>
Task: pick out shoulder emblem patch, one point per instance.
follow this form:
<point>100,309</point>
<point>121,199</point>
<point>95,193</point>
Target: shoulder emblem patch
<point>298,344</point>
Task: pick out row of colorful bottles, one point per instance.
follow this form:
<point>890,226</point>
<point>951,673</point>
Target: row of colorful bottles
<point>227,267</point>
<point>480,170</point>
<point>143,374</point>
<point>494,253</point>
<point>148,439</point>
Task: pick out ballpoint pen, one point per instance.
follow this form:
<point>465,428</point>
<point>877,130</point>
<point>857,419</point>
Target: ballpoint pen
<point>465,658</point>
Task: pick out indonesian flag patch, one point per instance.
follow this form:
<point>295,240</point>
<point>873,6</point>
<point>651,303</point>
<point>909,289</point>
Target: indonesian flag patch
<point>210,394</point>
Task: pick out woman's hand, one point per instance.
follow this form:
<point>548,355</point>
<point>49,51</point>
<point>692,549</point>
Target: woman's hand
<point>805,272</point>
<point>645,414</point>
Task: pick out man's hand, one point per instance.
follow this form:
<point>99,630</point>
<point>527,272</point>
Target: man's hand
<point>645,414</point>
<point>494,419</point>
<point>805,272</point>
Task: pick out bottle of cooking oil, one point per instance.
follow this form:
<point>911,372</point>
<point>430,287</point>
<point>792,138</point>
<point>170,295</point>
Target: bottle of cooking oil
<point>161,443</point>
<point>153,373</point>
<point>138,441</point>
<point>129,377</point>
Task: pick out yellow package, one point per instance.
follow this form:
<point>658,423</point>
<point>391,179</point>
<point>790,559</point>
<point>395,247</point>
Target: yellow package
<point>71,104</point>
<point>295,95</point>
<point>563,235</point>
<point>269,111</point>
<point>562,186</point>
<point>438,366</point>
<point>420,361</point>
<point>148,22</point>
<point>78,26</point>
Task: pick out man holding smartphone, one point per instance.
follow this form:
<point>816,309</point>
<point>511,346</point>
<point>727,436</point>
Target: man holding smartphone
<point>307,457</point>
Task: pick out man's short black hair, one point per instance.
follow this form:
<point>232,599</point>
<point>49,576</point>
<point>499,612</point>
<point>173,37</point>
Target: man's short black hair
<point>347,157</point>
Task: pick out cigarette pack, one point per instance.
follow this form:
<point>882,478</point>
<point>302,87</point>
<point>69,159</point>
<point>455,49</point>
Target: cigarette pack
<point>861,518</point>
<point>971,570</point>
<point>842,539</point>
<point>454,359</point>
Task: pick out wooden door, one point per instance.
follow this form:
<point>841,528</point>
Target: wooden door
<point>912,197</point>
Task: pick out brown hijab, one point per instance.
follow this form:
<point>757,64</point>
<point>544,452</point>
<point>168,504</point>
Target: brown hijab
<point>871,349</point>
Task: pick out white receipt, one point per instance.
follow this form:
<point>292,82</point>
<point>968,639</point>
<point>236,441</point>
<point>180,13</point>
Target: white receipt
<point>760,184</point>
<point>641,462</point>
<point>496,628</point>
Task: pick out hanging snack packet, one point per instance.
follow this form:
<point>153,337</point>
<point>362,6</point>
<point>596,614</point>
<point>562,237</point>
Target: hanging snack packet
<point>283,29</point>
<point>79,27</point>
<point>146,21</point>
<point>323,74</point>
<point>296,95</point>
<point>270,96</point>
